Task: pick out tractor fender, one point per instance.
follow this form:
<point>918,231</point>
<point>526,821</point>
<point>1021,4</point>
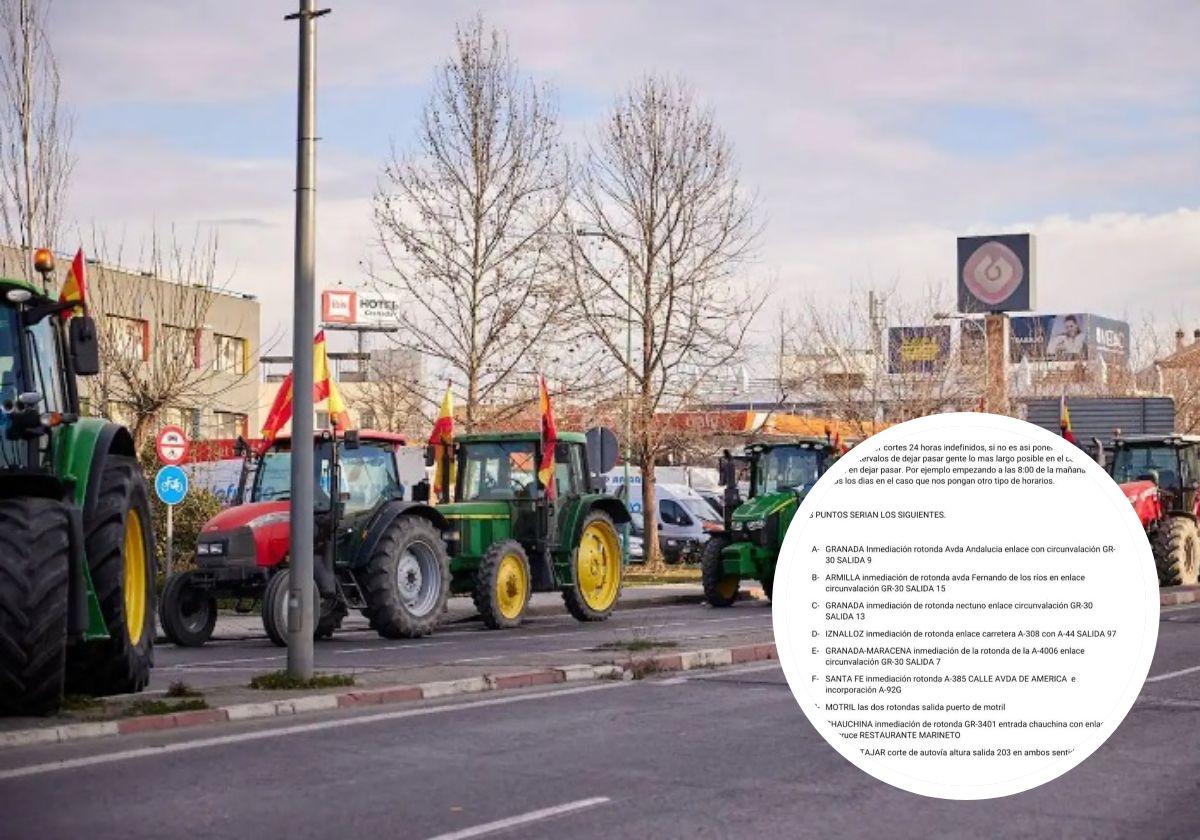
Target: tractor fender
<point>93,441</point>
<point>388,514</point>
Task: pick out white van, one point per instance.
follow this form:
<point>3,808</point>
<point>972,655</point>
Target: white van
<point>685,520</point>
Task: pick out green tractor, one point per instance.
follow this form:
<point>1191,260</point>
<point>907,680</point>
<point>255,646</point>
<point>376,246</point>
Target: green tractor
<point>779,475</point>
<point>77,559</point>
<point>507,539</point>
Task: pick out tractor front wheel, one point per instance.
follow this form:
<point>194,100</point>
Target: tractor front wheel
<point>598,569</point>
<point>119,541</point>
<point>34,567</point>
<point>407,581</point>
<point>720,589</point>
<point>502,586</point>
<point>1176,545</point>
<point>188,613</point>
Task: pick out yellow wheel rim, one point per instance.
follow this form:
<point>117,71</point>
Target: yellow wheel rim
<point>598,565</point>
<point>135,577</point>
<point>512,586</point>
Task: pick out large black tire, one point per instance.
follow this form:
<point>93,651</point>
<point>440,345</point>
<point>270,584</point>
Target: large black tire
<point>34,569</point>
<point>407,581</point>
<point>502,585</point>
<point>188,613</point>
<point>768,587</point>
<point>720,589</point>
<point>598,569</point>
<point>121,663</point>
<point>1176,546</point>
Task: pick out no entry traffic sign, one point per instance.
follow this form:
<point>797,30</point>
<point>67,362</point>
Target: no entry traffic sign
<point>171,445</point>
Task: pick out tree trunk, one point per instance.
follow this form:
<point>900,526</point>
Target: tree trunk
<point>654,558</point>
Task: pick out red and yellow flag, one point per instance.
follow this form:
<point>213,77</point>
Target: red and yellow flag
<point>74,288</point>
<point>1064,419</point>
<point>324,388</point>
<point>549,440</point>
<point>441,439</point>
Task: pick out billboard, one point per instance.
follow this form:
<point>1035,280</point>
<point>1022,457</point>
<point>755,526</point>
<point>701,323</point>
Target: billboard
<point>918,349</point>
<point>996,273</point>
<point>367,309</point>
<point>1070,337</point>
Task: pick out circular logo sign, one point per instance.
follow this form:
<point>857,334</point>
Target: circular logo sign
<point>993,272</point>
<point>172,445</point>
<point>171,485</point>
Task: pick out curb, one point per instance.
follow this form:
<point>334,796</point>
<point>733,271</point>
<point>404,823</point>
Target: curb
<point>634,668</point>
<point>1175,595</point>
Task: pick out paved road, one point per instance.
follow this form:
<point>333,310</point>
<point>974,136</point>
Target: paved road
<point>556,637</point>
<point>713,754</point>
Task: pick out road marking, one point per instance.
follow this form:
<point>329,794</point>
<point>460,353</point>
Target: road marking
<point>1170,675</point>
<point>409,646</point>
<point>523,819</point>
<point>318,726</point>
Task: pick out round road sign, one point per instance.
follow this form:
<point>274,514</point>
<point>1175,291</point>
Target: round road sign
<point>171,445</point>
<point>171,485</point>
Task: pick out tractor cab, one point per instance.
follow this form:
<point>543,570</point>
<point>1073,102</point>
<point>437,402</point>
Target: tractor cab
<point>510,535</point>
<point>776,476</point>
<point>1171,462</point>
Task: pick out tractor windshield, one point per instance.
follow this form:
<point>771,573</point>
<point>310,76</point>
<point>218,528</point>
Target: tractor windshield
<point>788,468</point>
<point>497,471</point>
<point>1131,463</point>
<point>273,478</point>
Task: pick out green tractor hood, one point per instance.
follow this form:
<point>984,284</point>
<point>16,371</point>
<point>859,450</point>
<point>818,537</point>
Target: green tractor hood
<point>760,507</point>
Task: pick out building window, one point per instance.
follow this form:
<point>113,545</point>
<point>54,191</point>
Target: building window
<point>229,424</point>
<point>231,355</point>
<point>187,419</point>
<point>131,338</point>
<point>182,343</point>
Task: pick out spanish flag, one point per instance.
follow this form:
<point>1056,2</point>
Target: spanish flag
<point>74,288</point>
<point>324,388</point>
<point>549,440</point>
<point>1064,419</point>
<point>441,439</point>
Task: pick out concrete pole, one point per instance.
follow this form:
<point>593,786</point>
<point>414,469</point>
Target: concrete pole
<point>300,585</point>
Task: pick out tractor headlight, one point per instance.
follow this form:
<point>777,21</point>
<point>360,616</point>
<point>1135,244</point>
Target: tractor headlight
<point>210,549</point>
<point>268,519</point>
<point>201,548</point>
<point>756,524</point>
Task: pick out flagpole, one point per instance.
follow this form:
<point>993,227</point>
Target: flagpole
<point>300,584</point>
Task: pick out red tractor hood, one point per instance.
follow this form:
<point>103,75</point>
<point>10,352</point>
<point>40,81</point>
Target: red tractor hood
<point>269,540</point>
<point>239,515</point>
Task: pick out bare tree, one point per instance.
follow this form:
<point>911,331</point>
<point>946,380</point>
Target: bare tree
<point>35,134</point>
<point>392,389</point>
<point>466,223</point>
<point>659,187</point>
<point>151,328</point>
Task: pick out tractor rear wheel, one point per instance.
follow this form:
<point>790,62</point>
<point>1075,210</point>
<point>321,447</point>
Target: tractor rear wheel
<point>188,613</point>
<point>1176,545</point>
<point>720,589</point>
<point>34,568</point>
<point>119,540</point>
<point>502,585</point>
<point>407,581</point>
<point>597,571</point>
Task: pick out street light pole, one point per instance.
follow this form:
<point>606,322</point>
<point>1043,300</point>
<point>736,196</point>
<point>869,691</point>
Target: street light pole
<point>300,616</point>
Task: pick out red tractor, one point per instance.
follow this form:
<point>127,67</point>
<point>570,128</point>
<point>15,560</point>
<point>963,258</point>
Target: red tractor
<point>375,550</point>
<point>1160,475</point>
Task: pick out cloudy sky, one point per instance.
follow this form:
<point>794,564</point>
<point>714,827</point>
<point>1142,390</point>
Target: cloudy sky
<point>874,133</point>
